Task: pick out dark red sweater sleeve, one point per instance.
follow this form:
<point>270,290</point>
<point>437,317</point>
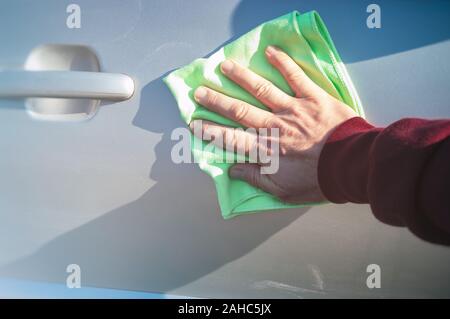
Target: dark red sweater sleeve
<point>402,171</point>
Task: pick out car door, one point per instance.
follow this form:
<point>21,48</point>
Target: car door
<point>86,179</point>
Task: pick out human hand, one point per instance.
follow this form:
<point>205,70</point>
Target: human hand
<point>304,121</point>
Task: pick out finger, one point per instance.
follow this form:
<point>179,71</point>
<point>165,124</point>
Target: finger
<point>260,88</point>
<point>234,140</point>
<point>234,109</point>
<point>251,173</point>
<point>297,79</point>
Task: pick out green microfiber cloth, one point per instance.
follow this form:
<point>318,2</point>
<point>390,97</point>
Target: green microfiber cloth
<point>306,39</point>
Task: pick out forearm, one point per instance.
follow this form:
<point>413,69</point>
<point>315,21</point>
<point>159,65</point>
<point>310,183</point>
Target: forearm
<point>402,171</point>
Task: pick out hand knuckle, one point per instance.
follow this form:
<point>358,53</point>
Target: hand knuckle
<point>262,89</point>
<point>273,122</point>
<point>288,131</point>
<point>268,122</point>
<point>239,111</point>
<point>212,98</point>
<point>294,76</point>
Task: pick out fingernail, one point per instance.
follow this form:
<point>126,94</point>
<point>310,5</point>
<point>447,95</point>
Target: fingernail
<point>271,50</point>
<point>227,66</point>
<point>200,94</point>
<point>235,171</point>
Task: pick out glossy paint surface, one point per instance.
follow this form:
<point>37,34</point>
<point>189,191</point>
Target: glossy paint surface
<point>104,193</point>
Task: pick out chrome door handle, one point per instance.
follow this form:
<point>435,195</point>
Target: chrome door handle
<point>65,84</point>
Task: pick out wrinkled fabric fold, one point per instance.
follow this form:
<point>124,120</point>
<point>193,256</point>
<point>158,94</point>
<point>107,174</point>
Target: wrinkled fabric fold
<point>306,39</point>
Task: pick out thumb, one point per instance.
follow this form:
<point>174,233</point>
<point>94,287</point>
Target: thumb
<point>251,173</point>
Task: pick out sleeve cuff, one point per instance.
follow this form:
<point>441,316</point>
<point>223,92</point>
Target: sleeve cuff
<point>344,161</point>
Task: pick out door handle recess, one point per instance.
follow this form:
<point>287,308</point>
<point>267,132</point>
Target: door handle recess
<point>65,84</point>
